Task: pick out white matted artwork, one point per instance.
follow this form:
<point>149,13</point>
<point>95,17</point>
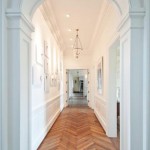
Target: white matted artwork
<point>37,75</point>
<point>100,76</point>
<point>46,84</point>
<point>39,55</point>
<point>46,51</point>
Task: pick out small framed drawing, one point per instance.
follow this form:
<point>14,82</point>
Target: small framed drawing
<point>46,84</point>
<point>46,66</point>
<point>46,52</point>
<point>100,76</point>
<point>39,55</point>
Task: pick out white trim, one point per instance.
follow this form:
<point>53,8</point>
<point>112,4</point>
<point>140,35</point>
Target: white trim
<point>46,103</point>
<point>1,36</point>
<point>127,19</point>
<point>101,120</point>
<point>48,14</point>
<point>100,97</point>
<point>10,13</point>
<point>45,131</point>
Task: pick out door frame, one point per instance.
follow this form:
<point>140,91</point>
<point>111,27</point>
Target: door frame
<point>112,99</point>
<point>67,86</point>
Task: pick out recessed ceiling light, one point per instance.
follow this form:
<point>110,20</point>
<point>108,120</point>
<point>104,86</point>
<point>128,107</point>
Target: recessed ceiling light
<point>67,16</point>
<point>69,30</point>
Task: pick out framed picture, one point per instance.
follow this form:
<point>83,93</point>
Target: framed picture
<point>100,76</point>
<point>46,52</point>
<point>39,55</point>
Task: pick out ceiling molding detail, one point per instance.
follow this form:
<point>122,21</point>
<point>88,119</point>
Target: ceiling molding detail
<point>49,18</point>
<point>106,9</point>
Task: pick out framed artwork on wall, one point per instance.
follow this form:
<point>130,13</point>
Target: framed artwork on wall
<point>100,76</point>
<point>39,55</point>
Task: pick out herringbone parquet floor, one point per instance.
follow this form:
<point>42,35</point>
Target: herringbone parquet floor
<point>77,128</point>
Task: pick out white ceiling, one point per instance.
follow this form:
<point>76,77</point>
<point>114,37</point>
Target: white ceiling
<point>83,15</point>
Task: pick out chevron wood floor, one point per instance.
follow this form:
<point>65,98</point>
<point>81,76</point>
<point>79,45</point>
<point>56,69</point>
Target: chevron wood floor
<point>77,128</point>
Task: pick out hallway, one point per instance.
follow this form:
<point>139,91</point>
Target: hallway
<point>78,100</point>
<point>77,128</point>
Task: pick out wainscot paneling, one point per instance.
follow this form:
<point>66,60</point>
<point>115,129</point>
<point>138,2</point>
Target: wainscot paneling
<point>100,111</point>
<point>43,117</point>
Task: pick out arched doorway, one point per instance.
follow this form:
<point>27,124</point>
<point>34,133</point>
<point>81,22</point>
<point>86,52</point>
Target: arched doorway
<point>16,106</point>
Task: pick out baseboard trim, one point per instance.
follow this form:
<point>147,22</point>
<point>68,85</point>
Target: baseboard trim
<point>101,120</point>
<point>45,131</point>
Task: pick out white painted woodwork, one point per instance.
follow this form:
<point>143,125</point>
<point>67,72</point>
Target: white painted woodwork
<point>134,77</point>
<point>146,78</point>
<point>112,88</point>
<point>18,31</point>
<point>1,36</point>
<point>132,81</point>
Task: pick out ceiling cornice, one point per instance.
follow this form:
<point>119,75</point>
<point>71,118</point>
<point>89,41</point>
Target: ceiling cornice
<point>101,23</point>
<point>48,15</point>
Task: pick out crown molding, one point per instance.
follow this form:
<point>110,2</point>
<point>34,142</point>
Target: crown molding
<point>49,17</point>
<point>106,9</point>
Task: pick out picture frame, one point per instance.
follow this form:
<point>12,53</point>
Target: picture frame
<point>100,76</point>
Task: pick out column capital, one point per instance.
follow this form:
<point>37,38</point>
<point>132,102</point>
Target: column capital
<point>133,19</point>
<point>17,20</point>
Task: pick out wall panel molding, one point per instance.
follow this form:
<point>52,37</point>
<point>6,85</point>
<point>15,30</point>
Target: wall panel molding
<point>100,111</point>
<point>45,130</point>
<point>48,102</point>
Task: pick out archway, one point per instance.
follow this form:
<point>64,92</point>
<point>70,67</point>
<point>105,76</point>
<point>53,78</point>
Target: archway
<point>20,28</point>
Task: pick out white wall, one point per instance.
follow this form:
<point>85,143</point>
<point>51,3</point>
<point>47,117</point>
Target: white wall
<point>45,104</point>
<point>106,36</point>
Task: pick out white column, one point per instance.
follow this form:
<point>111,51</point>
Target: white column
<point>131,43</point>
<point>1,17</point>
<point>146,85</point>
<point>3,78</point>
<point>19,68</point>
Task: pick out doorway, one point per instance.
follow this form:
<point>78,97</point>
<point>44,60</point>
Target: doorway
<point>114,90</point>
<point>77,88</point>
